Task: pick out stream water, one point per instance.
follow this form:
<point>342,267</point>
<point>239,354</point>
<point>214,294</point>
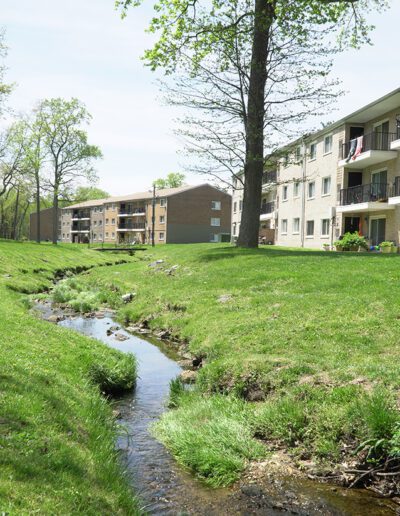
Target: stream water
<point>167,489</point>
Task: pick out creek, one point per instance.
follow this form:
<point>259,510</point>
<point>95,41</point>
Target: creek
<point>163,486</point>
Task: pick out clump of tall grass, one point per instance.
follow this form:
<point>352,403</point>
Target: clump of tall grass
<point>317,421</point>
<point>115,378</point>
<point>176,391</point>
<point>211,435</point>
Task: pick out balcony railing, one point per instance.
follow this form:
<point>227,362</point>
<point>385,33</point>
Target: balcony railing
<point>137,225</point>
<point>269,177</point>
<point>267,207</point>
<point>81,215</point>
<point>132,211</point>
<point>364,193</point>
<point>371,141</point>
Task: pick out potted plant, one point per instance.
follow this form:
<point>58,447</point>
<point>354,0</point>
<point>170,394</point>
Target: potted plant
<point>386,246</point>
<point>394,249</point>
<point>338,245</point>
<point>354,242</point>
<point>326,247</point>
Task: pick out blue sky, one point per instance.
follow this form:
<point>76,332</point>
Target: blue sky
<point>82,48</point>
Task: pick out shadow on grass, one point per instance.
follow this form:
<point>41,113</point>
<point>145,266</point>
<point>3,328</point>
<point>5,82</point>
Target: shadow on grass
<point>222,253</point>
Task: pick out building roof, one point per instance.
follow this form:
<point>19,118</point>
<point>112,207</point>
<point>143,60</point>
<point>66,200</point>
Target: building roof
<point>138,196</point>
<point>86,204</point>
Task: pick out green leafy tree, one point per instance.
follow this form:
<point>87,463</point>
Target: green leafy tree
<point>5,89</point>
<point>70,155</point>
<point>173,180</point>
<point>249,35</point>
<point>89,193</point>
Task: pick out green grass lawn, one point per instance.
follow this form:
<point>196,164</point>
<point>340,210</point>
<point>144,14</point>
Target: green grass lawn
<point>57,432</point>
<point>313,336</point>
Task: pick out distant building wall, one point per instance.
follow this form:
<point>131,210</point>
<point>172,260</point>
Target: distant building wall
<point>46,225</point>
<point>192,215</point>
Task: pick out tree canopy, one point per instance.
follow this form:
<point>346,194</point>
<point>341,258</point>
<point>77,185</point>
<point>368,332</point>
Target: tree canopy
<point>173,180</point>
<point>253,60</point>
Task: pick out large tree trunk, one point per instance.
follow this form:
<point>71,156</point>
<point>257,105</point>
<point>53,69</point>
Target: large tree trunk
<point>254,165</point>
<point>55,216</point>
<point>38,228</point>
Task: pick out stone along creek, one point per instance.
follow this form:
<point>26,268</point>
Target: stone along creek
<point>167,489</point>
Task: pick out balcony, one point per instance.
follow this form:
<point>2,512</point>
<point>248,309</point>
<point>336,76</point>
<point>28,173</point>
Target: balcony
<point>139,226</point>
<point>269,178</point>
<point>267,210</point>
<point>376,148</point>
<point>364,198</point>
<point>135,212</point>
<point>394,196</point>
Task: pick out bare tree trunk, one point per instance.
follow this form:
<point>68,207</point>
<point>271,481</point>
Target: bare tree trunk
<point>14,228</point>
<point>254,165</point>
<point>38,228</point>
<point>21,220</point>
<point>55,216</point>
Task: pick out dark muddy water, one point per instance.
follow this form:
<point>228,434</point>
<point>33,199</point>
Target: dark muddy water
<point>163,486</point>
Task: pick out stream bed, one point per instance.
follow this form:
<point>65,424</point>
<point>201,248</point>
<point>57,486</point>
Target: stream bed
<point>167,489</point>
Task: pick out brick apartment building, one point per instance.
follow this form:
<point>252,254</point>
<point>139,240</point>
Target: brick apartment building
<point>187,214</point>
<point>345,177</point>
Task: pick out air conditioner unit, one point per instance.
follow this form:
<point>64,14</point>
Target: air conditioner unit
<point>332,212</point>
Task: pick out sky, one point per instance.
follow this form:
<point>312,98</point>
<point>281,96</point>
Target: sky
<point>83,49</point>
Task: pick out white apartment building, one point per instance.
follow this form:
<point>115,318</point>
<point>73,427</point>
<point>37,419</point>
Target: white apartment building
<point>343,178</point>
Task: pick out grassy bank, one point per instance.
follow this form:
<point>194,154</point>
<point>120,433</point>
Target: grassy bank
<point>57,433</point>
<point>311,336</point>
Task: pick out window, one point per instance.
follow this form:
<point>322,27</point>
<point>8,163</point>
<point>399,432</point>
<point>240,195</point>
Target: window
<point>296,225</point>
<point>296,189</point>
<point>162,219</point>
<point>240,205</point>
<point>113,206</point>
<point>161,236</point>
<point>113,235</point>
<point>325,227</point>
<point>100,222</point>
<point>298,154</point>
<point>328,144</point>
<point>313,151</point>
<point>215,221</point>
<point>310,228</point>
<point>63,235</point>
<point>286,160</point>
<point>214,237</point>
<point>234,207</point>
<point>95,223</point>
<point>311,190</point>
<point>107,221</point>
<point>163,203</point>
<point>106,235</point>
<point>326,185</point>
<point>95,210</point>
<point>215,205</point>
<point>94,236</point>
<point>112,221</point>
<point>100,210</point>
<point>285,190</point>
<point>234,229</point>
<point>284,226</point>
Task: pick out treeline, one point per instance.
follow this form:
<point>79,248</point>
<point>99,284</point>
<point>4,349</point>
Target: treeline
<point>44,155</point>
